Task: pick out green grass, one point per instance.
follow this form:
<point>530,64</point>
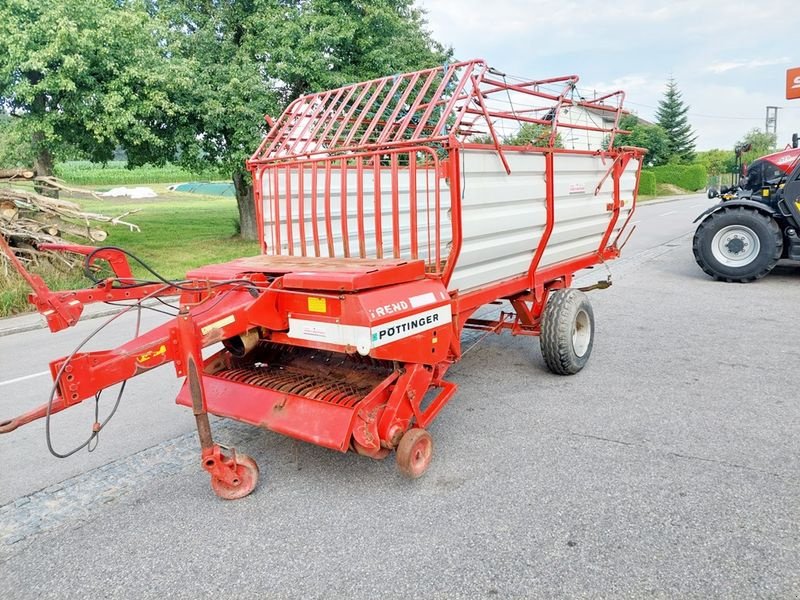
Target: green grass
<point>178,232</point>
<point>82,172</point>
<point>14,289</point>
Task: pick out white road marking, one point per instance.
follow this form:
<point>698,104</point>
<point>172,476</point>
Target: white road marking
<point>672,212</point>
<point>18,379</point>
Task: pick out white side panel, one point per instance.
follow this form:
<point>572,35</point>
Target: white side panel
<point>504,216</point>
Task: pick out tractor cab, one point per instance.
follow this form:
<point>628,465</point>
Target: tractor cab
<point>766,175</point>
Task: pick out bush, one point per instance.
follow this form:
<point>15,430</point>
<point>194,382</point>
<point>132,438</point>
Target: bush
<point>689,177</point>
<point>647,183</point>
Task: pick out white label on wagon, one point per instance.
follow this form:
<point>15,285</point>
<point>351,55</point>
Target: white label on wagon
<point>331,333</point>
<point>422,300</point>
<point>408,326</point>
<point>577,188</point>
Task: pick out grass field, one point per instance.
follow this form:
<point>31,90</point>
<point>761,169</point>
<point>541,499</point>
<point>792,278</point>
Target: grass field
<point>83,172</point>
<point>179,232</point>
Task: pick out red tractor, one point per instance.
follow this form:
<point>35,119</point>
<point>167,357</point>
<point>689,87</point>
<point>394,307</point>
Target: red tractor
<point>741,239</point>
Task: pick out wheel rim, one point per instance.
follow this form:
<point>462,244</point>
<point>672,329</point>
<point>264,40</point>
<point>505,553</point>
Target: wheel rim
<point>420,456</point>
<point>581,333</point>
<point>735,246</point>
<point>414,452</point>
<point>245,482</point>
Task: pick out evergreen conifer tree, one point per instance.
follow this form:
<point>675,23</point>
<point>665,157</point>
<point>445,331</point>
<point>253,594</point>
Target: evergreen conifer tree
<point>671,116</point>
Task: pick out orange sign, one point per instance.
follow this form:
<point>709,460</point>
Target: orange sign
<point>793,83</point>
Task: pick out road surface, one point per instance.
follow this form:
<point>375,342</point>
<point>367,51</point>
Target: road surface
<point>667,468</point>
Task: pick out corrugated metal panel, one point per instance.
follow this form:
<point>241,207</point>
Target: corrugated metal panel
<point>504,216</point>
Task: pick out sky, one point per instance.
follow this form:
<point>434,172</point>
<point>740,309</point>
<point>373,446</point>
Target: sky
<point>729,58</point>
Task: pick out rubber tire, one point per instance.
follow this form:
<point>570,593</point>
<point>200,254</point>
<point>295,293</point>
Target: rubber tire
<point>766,229</point>
<point>558,323</point>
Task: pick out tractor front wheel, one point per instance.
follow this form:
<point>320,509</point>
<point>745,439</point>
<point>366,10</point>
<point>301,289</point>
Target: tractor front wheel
<point>737,244</point>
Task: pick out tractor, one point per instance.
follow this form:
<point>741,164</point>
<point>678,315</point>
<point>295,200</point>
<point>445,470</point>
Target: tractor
<point>742,238</point>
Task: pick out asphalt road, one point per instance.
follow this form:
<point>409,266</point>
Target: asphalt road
<point>667,468</point>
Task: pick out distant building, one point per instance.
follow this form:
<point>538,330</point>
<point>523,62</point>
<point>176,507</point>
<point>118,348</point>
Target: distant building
<point>583,139</point>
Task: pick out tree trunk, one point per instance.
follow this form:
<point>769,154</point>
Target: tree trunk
<point>248,225</point>
<point>43,165</point>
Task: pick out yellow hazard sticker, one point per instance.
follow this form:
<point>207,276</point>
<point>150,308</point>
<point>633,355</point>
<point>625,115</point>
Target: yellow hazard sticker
<point>218,324</point>
<point>317,305</point>
<point>151,354</point>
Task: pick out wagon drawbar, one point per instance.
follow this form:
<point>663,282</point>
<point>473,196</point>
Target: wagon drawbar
<point>390,211</point>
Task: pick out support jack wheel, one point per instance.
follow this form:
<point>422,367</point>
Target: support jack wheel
<point>234,478</point>
<point>414,452</point>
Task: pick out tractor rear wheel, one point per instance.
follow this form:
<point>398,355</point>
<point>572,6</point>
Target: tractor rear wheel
<point>567,334</point>
<point>737,244</point>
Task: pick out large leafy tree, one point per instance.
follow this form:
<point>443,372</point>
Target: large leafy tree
<point>88,75</point>
<point>253,57</point>
<point>644,135</point>
<point>672,117</point>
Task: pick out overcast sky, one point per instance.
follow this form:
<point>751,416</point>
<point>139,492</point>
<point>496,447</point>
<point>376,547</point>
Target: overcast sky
<point>728,57</point>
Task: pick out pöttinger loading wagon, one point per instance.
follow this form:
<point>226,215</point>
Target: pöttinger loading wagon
<point>389,212</point>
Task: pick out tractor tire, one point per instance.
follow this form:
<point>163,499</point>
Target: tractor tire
<point>567,334</point>
<point>737,244</point>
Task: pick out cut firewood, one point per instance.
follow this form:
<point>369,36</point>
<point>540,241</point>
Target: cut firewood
<point>29,218</point>
<point>17,174</point>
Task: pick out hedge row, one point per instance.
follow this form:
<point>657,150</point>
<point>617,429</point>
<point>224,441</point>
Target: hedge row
<point>647,183</point>
<point>689,177</point>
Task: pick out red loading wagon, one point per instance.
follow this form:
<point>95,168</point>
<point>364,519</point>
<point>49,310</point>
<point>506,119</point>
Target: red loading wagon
<point>389,212</point>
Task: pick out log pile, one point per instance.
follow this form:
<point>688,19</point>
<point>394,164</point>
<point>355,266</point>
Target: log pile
<point>29,217</point>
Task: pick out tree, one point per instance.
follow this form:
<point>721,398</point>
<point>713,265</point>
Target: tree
<point>717,162</point>
<point>644,135</point>
<point>759,142</point>
<point>671,115</point>
<point>86,76</point>
<point>254,57</point>
<point>533,134</point>
<point>15,145</point>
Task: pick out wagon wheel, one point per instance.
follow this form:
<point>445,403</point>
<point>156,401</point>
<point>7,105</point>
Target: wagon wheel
<point>247,476</point>
<point>414,452</point>
<point>567,331</point>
